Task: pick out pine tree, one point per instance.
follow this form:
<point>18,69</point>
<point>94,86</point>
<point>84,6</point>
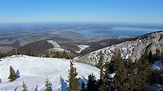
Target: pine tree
<point>131,86</point>
<point>28,52</point>
<point>108,82</point>
<point>156,77</point>
<point>130,76</point>
<point>83,87</point>
<point>143,72</point>
<point>12,75</point>
<point>101,82</point>
<point>47,55</point>
<point>74,84</point>
<point>47,85</point>
<point>92,84</point>
<point>58,54</point>
<point>2,55</point>
<point>100,62</point>
<point>24,87</point>
<point>121,72</point>
<point>101,66</point>
<point>16,51</point>
<point>64,55</point>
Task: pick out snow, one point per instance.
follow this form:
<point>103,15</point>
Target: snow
<point>156,65</point>
<point>82,47</point>
<point>127,49</point>
<point>112,75</point>
<point>155,87</point>
<point>54,43</point>
<point>58,49</point>
<point>56,46</point>
<point>127,57</point>
<point>34,70</point>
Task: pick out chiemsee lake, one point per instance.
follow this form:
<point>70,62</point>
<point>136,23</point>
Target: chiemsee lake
<point>119,31</point>
<point>88,29</point>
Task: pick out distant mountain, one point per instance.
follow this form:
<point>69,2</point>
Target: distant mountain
<point>34,48</point>
<point>152,42</point>
<point>43,46</point>
<point>75,49</point>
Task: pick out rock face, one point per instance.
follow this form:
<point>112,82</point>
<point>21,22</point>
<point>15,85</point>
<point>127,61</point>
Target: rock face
<point>152,42</point>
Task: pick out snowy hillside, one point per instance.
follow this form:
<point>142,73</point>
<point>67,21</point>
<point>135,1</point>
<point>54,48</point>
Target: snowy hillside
<point>34,70</point>
<point>56,46</point>
<point>82,47</point>
<point>152,42</point>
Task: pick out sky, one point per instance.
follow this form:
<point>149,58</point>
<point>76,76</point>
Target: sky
<point>138,11</point>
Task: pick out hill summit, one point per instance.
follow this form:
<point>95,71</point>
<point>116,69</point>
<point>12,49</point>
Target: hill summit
<point>34,71</point>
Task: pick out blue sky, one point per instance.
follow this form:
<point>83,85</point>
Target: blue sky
<point>138,11</point>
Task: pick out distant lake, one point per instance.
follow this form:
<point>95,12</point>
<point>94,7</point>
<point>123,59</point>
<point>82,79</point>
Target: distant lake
<point>85,29</point>
<point>118,31</point>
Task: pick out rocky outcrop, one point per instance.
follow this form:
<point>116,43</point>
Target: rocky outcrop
<point>152,42</point>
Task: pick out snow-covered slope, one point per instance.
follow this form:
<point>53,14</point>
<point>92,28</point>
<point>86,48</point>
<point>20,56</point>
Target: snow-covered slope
<point>54,43</point>
<point>34,70</point>
<point>82,47</point>
<point>152,42</point>
<point>56,46</point>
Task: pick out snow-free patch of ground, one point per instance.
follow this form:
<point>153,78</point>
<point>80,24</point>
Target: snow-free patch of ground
<point>82,47</point>
<point>34,70</point>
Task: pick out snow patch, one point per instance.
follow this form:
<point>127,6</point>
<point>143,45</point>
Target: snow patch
<point>56,46</point>
<point>82,47</point>
<point>112,75</point>
<point>156,65</point>
<point>54,43</point>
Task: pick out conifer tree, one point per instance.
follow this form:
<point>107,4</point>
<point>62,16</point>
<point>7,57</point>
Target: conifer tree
<point>12,74</point>
<point>24,87</point>
<point>100,62</point>
<point>108,82</point>
<point>83,87</point>
<point>28,52</point>
<point>131,66</point>
<point>92,84</point>
<point>47,85</point>
<point>74,84</point>
<point>57,54</point>
<point>102,86</point>
<point>16,51</point>
<point>101,66</point>
<point>64,55</point>
<point>121,72</point>
<point>2,55</point>
<point>47,55</point>
<point>156,77</point>
<point>143,72</point>
<point>131,76</point>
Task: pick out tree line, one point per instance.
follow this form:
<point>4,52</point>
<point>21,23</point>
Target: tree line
<point>59,54</point>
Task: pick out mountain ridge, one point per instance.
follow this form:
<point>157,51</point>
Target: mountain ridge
<point>152,42</point>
